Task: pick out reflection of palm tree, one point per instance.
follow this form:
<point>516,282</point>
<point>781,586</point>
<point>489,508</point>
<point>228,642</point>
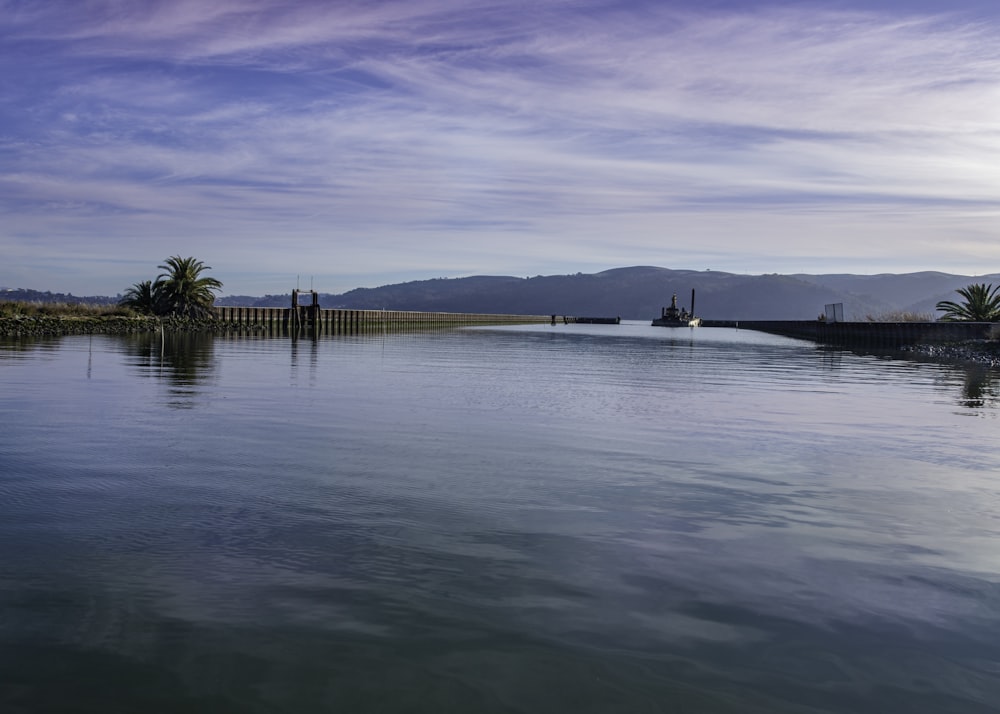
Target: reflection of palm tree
<point>183,358</point>
<point>184,291</point>
<point>978,389</point>
<point>144,297</point>
<point>982,304</point>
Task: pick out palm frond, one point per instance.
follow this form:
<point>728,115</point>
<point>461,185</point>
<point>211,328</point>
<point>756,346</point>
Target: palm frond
<point>186,292</point>
<point>982,304</point>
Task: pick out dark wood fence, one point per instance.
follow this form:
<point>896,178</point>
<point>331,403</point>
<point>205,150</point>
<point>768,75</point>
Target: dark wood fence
<point>338,321</point>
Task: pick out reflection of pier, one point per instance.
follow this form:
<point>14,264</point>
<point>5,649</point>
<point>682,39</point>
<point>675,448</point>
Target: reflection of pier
<point>312,319</point>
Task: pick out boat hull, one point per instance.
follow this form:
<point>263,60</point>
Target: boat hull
<point>667,322</point>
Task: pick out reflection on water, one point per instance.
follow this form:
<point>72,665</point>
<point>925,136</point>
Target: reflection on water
<point>568,519</point>
<point>979,389</point>
<point>184,360</point>
<point>19,347</point>
<point>976,386</point>
<point>305,352</point>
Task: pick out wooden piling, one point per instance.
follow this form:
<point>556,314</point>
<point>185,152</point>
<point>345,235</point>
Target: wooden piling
<point>338,321</point>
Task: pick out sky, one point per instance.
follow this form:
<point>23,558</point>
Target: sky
<point>332,145</point>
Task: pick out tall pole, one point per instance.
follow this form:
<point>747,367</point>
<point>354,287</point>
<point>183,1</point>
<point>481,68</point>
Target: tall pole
<point>692,302</point>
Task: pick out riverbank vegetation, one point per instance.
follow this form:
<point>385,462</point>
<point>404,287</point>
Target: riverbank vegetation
<point>23,309</point>
<point>24,319</point>
<point>899,316</point>
<point>180,298</point>
<point>181,290</point>
<point>981,304</point>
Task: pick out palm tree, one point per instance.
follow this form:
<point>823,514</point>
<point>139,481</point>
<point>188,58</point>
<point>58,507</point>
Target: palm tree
<point>144,297</point>
<point>982,304</point>
<point>185,292</point>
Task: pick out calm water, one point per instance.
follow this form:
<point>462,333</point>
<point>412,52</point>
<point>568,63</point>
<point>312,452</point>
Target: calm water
<point>544,519</point>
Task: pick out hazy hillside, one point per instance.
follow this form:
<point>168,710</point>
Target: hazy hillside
<point>914,292</point>
<point>23,295</point>
<point>640,292</point>
<point>633,293</point>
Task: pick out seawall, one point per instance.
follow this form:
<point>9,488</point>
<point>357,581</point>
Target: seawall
<point>339,321</point>
<point>268,320</point>
<point>49,325</point>
<point>873,334</point>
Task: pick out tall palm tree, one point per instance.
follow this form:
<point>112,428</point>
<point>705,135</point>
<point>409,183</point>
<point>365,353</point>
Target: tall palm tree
<point>982,304</point>
<point>144,297</point>
<point>185,292</point>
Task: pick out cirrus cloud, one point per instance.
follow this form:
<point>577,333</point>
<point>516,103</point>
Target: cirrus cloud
<point>371,142</point>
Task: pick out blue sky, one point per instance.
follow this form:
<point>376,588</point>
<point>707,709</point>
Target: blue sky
<point>364,143</point>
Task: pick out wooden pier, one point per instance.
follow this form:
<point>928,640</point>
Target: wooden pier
<point>313,320</point>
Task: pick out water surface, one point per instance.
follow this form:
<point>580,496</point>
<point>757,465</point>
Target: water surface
<point>575,518</point>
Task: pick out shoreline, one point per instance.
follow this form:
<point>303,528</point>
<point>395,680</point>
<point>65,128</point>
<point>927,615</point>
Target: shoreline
<point>56,326</point>
<point>977,352</point>
<point>985,353</point>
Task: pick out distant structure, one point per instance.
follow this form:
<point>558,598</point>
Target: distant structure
<point>834,312</point>
<point>311,312</point>
<point>674,316</point>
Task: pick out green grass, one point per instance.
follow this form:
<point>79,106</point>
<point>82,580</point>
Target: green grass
<point>54,309</point>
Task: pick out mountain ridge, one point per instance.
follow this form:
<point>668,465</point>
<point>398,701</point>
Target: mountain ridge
<point>639,292</point>
<point>636,292</point>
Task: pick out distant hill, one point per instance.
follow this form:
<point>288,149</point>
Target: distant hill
<point>640,292</point>
<point>22,295</point>
<point>914,292</point>
<point>634,293</point>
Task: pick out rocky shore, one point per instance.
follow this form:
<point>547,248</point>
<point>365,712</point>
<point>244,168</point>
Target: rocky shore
<point>983,352</point>
<point>51,325</point>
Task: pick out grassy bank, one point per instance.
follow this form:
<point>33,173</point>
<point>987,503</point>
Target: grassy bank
<point>23,309</point>
<point>21,319</point>
<point>25,319</point>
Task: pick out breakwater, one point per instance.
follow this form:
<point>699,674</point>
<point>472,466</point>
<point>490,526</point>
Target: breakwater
<point>869,334</point>
<point>265,320</point>
<point>50,325</point>
<point>338,321</point>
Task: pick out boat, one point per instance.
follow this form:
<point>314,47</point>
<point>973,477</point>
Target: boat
<point>674,316</point>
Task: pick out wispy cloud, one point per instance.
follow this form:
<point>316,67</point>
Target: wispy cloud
<point>438,137</point>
